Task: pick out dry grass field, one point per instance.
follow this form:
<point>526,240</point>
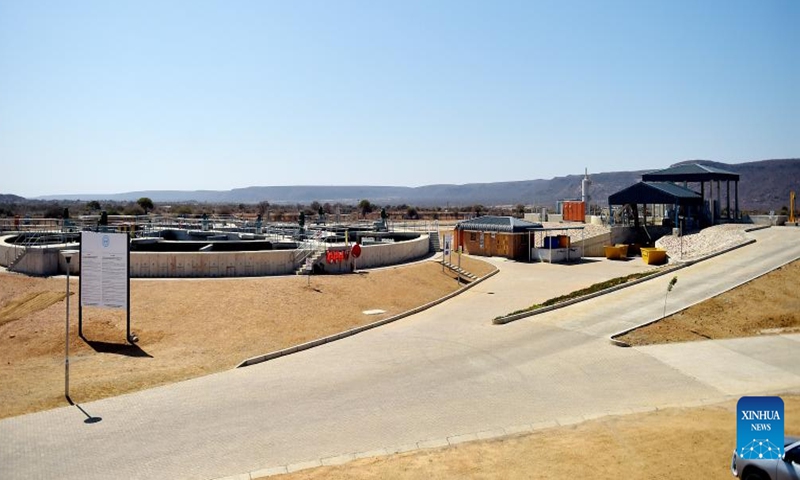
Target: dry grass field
<point>684,443</point>
<point>768,305</point>
<point>186,328</point>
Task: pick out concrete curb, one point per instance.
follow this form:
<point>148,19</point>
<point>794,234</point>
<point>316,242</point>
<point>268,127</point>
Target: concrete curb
<point>363,328</point>
<point>497,433</point>
<point>666,270</point>
<point>620,343</point>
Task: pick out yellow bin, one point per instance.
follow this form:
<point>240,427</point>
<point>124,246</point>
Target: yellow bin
<point>654,256</point>
<point>623,249</point>
<point>612,252</point>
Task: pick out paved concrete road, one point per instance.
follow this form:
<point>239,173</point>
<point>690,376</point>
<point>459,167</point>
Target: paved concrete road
<point>443,373</point>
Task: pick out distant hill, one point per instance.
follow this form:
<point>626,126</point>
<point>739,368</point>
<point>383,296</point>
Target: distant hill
<point>9,198</point>
<point>764,185</point>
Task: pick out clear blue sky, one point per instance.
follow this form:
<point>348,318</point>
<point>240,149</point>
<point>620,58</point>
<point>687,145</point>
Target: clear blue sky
<point>114,96</point>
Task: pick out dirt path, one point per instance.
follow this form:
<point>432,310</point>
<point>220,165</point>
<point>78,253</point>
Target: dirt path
<point>186,328</point>
<point>686,443</point>
<point>767,305</point>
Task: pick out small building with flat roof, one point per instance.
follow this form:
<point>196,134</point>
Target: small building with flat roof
<point>492,236</point>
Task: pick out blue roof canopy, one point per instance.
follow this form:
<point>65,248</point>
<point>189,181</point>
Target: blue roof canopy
<point>491,223</point>
<point>662,193</point>
<point>690,172</point>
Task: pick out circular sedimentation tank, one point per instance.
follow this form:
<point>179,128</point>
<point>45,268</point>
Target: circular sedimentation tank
<point>176,252</point>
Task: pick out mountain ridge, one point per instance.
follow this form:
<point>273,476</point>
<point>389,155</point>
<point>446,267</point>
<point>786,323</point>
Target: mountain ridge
<point>764,184</point>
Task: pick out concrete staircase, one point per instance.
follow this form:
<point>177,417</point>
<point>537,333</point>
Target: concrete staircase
<point>435,245</point>
<point>307,262</point>
<point>20,254</point>
<point>21,251</point>
<point>460,271</point>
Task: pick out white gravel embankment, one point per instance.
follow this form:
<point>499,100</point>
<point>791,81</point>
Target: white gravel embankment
<point>589,230</point>
<point>704,242</point>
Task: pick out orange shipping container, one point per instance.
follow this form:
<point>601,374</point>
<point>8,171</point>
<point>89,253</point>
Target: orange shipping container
<point>574,211</point>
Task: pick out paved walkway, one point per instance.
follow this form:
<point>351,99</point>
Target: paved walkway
<point>446,373</point>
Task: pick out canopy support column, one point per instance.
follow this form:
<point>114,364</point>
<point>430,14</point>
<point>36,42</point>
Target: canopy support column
<point>728,199</point>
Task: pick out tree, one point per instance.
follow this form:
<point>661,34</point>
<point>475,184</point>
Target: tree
<point>669,289</point>
<point>315,206</point>
<point>93,206</point>
<point>478,209</point>
<point>54,210</point>
<point>263,207</point>
<point>412,213</point>
<point>184,210</point>
<point>302,219</point>
<point>134,209</point>
<point>146,204</point>
<point>365,206</point>
<point>520,210</point>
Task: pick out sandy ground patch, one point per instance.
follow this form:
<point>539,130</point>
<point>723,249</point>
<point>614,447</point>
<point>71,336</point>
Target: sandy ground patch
<point>186,328</point>
<point>29,303</point>
<point>768,305</point>
<point>694,443</point>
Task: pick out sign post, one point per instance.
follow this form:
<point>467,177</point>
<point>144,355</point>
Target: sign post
<point>444,252</point>
<point>448,242</point>
<point>458,277</point>
<point>105,275</point>
<point>67,254</point>
<point>356,252</point>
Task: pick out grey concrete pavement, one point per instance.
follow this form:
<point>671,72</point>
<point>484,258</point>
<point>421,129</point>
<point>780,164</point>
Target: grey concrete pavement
<point>444,373</point>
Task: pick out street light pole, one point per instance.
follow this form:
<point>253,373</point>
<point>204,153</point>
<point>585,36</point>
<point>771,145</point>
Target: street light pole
<point>67,256</point>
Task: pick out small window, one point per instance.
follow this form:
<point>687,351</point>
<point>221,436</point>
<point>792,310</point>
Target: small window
<point>473,236</point>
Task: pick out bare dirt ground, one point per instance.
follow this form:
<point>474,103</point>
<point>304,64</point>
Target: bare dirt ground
<point>187,328</point>
<point>691,443</point>
<point>767,305</point>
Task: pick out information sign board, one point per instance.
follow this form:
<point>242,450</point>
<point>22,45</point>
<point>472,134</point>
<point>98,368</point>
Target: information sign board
<point>104,270</point>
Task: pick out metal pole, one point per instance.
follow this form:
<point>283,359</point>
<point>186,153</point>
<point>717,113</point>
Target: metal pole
<point>450,250</point>
<point>130,336</point>
<point>80,287</point>
<point>128,293</point>
<point>458,275</point>
<point>66,349</point>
